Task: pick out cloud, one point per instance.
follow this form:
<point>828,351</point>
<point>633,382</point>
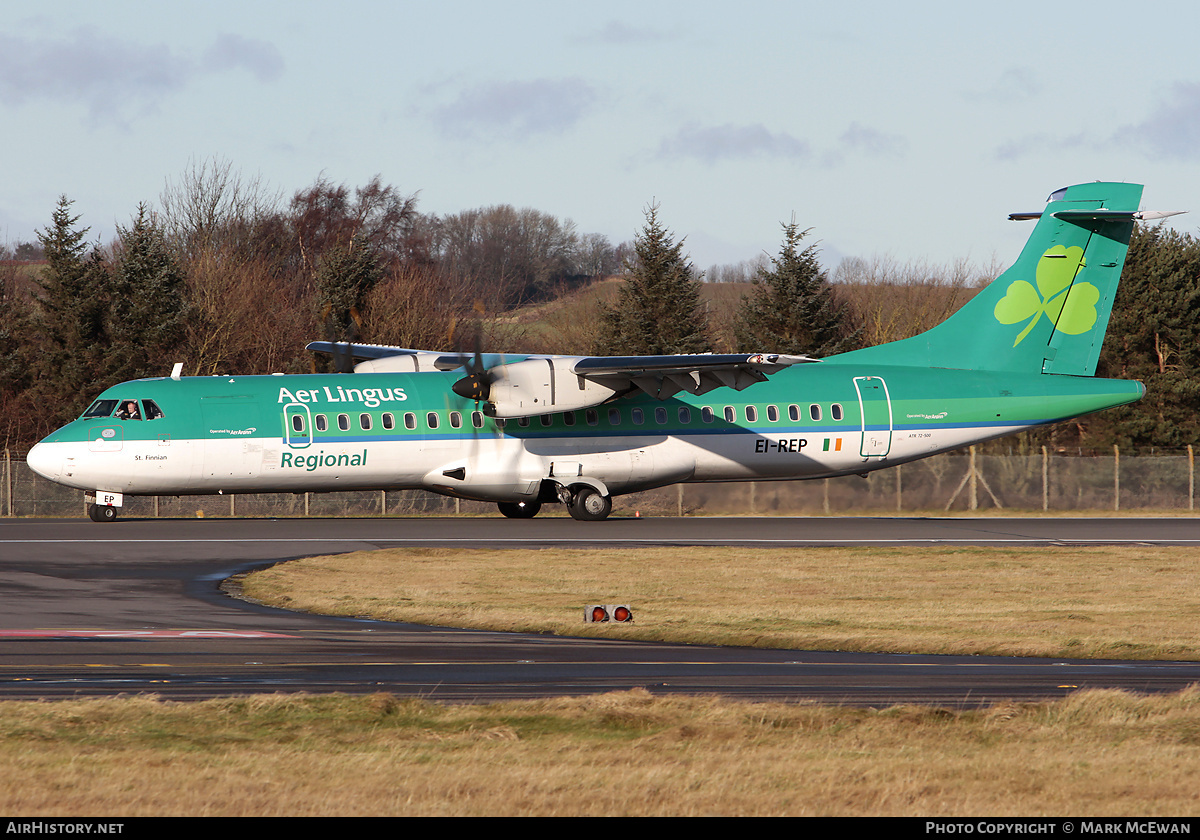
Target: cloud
<point>518,108</point>
<point>1030,144</point>
<point>1172,131</point>
<point>741,142</point>
<point>1014,85</point>
<point>233,52</point>
<point>112,75</point>
<point>725,142</point>
<point>617,32</point>
<point>861,138</point>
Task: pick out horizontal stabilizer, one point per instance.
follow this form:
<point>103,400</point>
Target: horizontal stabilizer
<point>1099,215</point>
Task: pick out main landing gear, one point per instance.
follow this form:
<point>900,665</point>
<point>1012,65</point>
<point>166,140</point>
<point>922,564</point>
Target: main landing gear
<point>589,505</point>
<point>519,510</point>
<point>102,513</point>
<point>585,503</point>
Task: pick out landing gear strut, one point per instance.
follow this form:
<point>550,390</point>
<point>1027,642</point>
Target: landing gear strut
<point>102,513</point>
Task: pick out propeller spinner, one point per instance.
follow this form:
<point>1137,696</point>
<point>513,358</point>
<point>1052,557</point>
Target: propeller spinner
<point>478,383</point>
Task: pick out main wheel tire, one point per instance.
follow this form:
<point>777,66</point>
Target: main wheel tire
<point>102,513</point>
<point>590,505</point>
<point>519,510</point>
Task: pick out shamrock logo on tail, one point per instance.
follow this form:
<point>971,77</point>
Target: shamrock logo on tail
<point>1071,308</point>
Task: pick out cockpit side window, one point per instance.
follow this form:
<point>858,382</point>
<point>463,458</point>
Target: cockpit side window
<point>151,410</point>
<point>128,410</point>
<point>100,408</point>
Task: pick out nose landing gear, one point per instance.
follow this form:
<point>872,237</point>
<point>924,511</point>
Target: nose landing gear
<point>102,513</point>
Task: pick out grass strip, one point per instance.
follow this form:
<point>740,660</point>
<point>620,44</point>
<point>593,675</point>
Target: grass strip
<point>1098,753</point>
<point>1093,602</point>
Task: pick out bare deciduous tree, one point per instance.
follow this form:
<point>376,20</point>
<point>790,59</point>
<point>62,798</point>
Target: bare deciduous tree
<point>211,205</point>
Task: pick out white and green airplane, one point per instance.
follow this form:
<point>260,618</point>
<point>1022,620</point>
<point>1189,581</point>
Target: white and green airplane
<point>526,430</point>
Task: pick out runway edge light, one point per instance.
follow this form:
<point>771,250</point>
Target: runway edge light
<point>599,613</point>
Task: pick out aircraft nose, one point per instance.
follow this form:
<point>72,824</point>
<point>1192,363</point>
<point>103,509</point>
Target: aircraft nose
<point>45,460</point>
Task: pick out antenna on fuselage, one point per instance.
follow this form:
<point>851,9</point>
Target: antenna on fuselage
<point>176,371</point>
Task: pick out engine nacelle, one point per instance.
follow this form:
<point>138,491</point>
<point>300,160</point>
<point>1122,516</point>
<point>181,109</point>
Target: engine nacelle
<point>542,386</point>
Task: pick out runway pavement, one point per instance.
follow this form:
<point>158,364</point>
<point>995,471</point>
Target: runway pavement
<point>137,607</point>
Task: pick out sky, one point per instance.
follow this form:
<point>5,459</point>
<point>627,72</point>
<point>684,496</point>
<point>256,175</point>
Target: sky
<point>901,131</point>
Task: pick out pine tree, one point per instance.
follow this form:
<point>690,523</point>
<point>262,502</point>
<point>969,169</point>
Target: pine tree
<point>71,316</point>
<point>1154,335</point>
<point>149,307</point>
<point>345,276</point>
<point>658,309</point>
<point>793,308</point>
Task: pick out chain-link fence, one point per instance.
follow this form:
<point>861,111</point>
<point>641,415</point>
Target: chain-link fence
<point>956,481</point>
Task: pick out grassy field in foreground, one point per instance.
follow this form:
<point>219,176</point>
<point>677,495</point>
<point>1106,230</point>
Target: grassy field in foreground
<point>1096,753</point>
<point>1093,754</point>
<point>1102,602</point>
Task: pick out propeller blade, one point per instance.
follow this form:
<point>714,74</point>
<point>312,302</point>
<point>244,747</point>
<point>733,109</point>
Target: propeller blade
<point>477,384</point>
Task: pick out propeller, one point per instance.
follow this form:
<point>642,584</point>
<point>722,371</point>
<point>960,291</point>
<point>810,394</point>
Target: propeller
<point>477,384</point>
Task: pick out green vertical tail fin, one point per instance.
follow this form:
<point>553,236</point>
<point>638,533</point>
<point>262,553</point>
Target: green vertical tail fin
<point>1048,312</point>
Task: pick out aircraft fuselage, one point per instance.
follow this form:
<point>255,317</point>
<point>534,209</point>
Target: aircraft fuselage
<point>244,434</point>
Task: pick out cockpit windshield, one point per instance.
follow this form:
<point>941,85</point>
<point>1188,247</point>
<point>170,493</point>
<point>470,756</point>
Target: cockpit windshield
<point>125,410</point>
<point>100,408</point>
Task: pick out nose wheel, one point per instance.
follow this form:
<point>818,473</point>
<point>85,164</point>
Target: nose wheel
<point>102,513</point>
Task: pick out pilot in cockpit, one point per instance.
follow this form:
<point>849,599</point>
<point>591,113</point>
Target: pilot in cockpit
<point>128,411</point>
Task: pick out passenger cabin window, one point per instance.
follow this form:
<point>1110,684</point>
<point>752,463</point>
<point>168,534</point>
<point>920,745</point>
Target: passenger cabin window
<point>751,414</point>
<point>773,413</point>
<point>410,420</point>
<point>321,423</point>
<point>706,414</point>
<point>685,416</point>
<point>835,411</point>
<point>614,417</point>
<point>814,411</point>
<point>730,416</point>
<point>477,419</point>
<point>794,413</point>
<point>569,418</point>
<point>546,419</point>
<point>456,419</point>
<point>389,420</point>
<point>523,422</point>
<point>660,416</point>
<point>298,423</point>
<point>432,419</point>
<point>639,416</point>
<point>593,417</point>
<point>364,421</point>
<point>344,422</point>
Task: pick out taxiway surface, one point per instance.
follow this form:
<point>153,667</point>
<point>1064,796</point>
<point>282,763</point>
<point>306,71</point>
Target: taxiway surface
<point>136,606</point>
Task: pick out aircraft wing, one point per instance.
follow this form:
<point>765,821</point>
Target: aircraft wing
<point>664,376</point>
<point>519,386</point>
<point>367,357</point>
